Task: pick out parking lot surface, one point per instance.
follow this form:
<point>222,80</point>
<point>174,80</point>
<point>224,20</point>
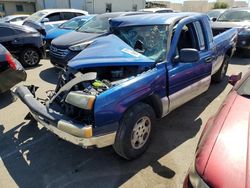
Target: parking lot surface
<point>30,156</point>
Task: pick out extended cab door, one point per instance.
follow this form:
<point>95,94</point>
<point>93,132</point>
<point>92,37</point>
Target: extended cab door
<point>188,79</point>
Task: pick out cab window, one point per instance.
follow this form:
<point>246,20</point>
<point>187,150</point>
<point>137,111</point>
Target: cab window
<point>200,35</point>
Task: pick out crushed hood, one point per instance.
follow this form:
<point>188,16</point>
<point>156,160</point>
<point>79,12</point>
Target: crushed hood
<point>109,51</point>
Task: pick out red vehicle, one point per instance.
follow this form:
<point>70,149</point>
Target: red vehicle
<point>223,152</point>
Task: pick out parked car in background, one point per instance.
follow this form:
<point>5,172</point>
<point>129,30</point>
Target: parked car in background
<point>222,155</point>
<point>66,27</point>
<point>113,90</point>
<point>215,13</point>
<point>66,47</point>
<point>53,17</point>
<point>25,43</point>
<point>238,18</point>
<point>11,71</point>
<point>157,10</point>
<point>14,19</point>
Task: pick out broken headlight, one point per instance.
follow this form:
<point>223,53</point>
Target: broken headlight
<point>80,100</point>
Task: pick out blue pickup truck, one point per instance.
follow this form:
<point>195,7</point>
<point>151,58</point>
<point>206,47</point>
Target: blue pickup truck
<point>113,91</point>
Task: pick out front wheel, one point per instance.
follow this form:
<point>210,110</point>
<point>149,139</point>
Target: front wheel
<point>30,57</point>
<point>221,73</point>
<point>134,134</point>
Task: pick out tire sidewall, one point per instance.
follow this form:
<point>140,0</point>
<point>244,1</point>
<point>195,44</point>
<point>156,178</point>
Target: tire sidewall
<point>128,124</point>
<point>22,57</point>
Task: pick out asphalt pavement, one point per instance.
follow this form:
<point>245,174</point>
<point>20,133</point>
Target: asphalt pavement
<point>31,156</point>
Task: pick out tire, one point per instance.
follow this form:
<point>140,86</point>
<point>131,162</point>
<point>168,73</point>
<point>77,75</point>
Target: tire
<point>30,57</point>
<point>135,131</point>
<point>221,73</point>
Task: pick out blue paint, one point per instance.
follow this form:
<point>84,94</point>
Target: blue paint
<point>52,33</point>
<point>109,51</point>
<point>162,79</point>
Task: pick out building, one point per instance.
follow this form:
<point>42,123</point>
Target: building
<point>8,7</point>
<point>93,6</point>
<point>240,4</point>
<point>196,6</point>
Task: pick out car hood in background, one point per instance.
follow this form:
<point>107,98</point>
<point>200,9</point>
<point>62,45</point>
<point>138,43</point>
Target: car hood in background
<point>73,38</point>
<point>219,24</point>
<point>225,152</point>
<point>109,51</point>
<point>54,33</point>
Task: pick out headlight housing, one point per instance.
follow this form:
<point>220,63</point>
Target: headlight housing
<point>195,179</point>
<point>81,46</point>
<point>80,100</point>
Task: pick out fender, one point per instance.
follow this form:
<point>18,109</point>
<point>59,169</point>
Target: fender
<point>148,85</point>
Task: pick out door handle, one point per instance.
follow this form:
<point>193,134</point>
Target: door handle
<point>209,59</point>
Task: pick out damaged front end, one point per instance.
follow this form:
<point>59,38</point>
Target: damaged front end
<point>69,112</point>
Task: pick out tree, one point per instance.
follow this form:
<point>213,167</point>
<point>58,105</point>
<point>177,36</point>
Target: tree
<point>221,5</point>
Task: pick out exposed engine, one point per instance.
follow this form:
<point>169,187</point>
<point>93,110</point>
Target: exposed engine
<point>106,78</point>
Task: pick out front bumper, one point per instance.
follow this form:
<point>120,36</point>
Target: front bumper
<point>60,59</point>
<point>61,125</point>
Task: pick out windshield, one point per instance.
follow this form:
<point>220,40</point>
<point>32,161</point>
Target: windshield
<point>6,18</point>
<point>37,16</point>
<point>150,41</point>
<point>98,24</point>
<point>235,16</point>
<point>73,24</point>
<point>244,89</point>
<point>214,13</point>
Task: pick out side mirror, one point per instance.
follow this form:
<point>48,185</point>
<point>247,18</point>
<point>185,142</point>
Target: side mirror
<point>233,79</point>
<point>189,55</point>
<point>213,19</point>
<point>45,20</point>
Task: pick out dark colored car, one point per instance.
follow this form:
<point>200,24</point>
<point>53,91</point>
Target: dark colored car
<point>65,47</point>
<point>222,155</point>
<point>239,18</point>
<point>11,71</point>
<point>25,43</point>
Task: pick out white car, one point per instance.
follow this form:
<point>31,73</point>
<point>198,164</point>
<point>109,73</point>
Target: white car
<point>15,19</point>
<point>54,17</point>
<point>157,10</point>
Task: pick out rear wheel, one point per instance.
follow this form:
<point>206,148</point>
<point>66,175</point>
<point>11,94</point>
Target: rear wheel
<point>30,57</point>
<point>135,131</point>
<point>221,73</point>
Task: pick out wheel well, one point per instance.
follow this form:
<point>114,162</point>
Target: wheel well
<point>155,102</point>
<point>33,47</point>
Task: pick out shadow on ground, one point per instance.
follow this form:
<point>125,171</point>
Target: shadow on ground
<point>6,99</point>
<point>36,158</point>
<point>240,59</point>
<point>50,75</point>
